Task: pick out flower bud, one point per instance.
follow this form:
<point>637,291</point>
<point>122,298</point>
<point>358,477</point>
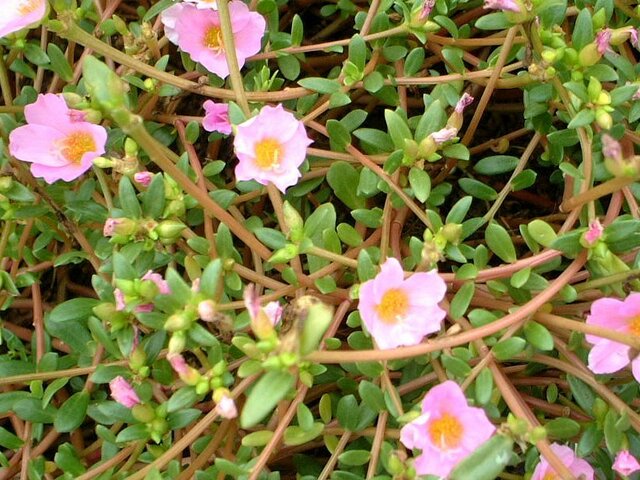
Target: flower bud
<point>284,254</point>
<point>594,89</point>
<point>170,229</point>
<point>143,413</point>
<point>177,342</point>
<point>293,222</point>
<point>143,178</point>
<point>130,147</point>
<point>589,55</point>
<point>5,184</point>
<point>207,310</point>
<point>177,321</point>
<point>452,232</point>
<point>603,119</point>
<point>120,226</point>
<point>103,162</point>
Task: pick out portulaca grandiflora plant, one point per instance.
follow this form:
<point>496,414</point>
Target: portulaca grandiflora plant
<point>353,239</point>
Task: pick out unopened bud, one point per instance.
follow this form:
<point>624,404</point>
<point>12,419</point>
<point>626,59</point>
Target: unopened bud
<point>452,233</point>
<point>130,147</point>
<point>119,226</point>
<point>177,342</point>
<point>143,413</point>
<point>293,222</point>
<point>603,119</point>
<point>5,184</point>
<point>170,229</point>
<point>177,321</point>
<point>102,162</point>
<point>207,310</point>
<point>589,55</point>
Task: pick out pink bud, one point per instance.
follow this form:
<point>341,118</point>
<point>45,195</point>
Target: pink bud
<point>274,312</point>
<point>163,286</point>
<point>444,135</point>
<point>143,178</point>
<point>594,233</point>
<point>427,7</point>
<point>120,305</point>
<point>207,310</point>
<point>505,5</point>
<point>611,148</point>
<point>625,463</point>
<point>123,393</point>
<point>603,38</point>
<point>226,408</point>
<point>463,103</point>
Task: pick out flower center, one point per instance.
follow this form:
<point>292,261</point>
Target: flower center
<point>634,326</point>
<point>76,145</point>
<point>446,432</point>
<point>550,476</point>
<point>28,6</point>
<point>394,305</point>
<point>213,38</point>
<point>268,153</point>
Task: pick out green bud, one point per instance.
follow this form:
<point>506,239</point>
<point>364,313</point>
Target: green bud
<point>128,287</point>
<point>603,119</point>
<point>143,413</point>
<point>147,289</point>
<point>202,387</point>
<point>137,359</point>
<point>5,184</point>
<point>395,464</point>
<point>175,208</point>
<point>316,318</point>
<point>177,342</point>
<point>604,98</point>
<point>537,434</point>
<point>73,100</point>
<point>102,162</point>
<point>594,89</point>
<point>120,25</point>
<point>170,229</point>
<point>599,19</point>
<point>104,311</point>
<point>158,428</point>
<point>284,254</point>
<point>427,147</point>
<point>293,222</point>
<point>105,88</point>
<point>149,84</point>
<point>178,321</point>
<point>549,55</point>
<point>589,55</point>
<point>570,56</point>
<point>452,233</point>
<point>410,148</point>
<point>130,147</point>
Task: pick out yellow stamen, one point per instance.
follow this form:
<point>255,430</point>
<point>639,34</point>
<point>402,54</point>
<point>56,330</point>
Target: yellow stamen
<point>394,305</point>
<point>28,6</point>
<point>634,326</point>
<point>213,38</point>
<point>446,432</point>
<point>268,153</point>
<point>550,476</point>
<point>76,145</point>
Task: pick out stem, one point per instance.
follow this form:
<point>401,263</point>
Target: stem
<point>594,193</point>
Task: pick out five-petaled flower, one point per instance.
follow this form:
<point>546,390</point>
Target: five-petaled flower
<point>18,14</point>
<point>216,117</point>
<point>447,431</point>
<point>625,463</point>
<point>401,312</point>
<point>57,146</point>
<point>576,466</point>
<point>198,32</point>
<point>123,393</point>
<point>608,356</point>
<point>270,147</point>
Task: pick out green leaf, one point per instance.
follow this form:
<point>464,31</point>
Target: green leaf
<point>456,366</point>
<point>542,232</point>
<point>582,118</point>
<point>552,12</point>
<point>582,393</point>
<point>375,138</point>
<point>295,435</point>
<point>59,63</point>
<point>562,428</point>
<point>484,386</point>
<point>289,65</point>
<point>347,412</point>
<point>358,51</point>
<point>128,199</point>
<point>496,164</point>
<point>339,136</point>
<point>257,439</point>
<point>354,458</point>
<point>320,85</point>
<point>153,200</point>
<point>413,62</point>
<point>371,396</point>
<point>582,29</point>
<point>499,242</point>
<point>487,462</point>
<point>420,182</point>
<point>398,128</point>
<point>342,178</point>
<point>477,189</point>
<point>538,336</point>
<point>264,396</point>
<point>9,440</point>
<point>461,300</point>
<point>73,310</point>
<point>493,21</point>
<point>509,348</point>
<point>71,414</point>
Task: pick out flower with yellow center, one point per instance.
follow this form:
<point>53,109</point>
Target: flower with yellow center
<point>29,6</point>
<point>393,306</point>
<point>446,432</point>
<point>213,38</point>
<point>75,145</point>
<point>268,153</point>
<point>634,326</point>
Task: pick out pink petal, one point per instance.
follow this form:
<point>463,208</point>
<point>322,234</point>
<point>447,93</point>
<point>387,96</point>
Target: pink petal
<point>608,357</point>
<point>625,463</point>
<point>48,109</point>
<point>37,144</point>
<point>12,20</point>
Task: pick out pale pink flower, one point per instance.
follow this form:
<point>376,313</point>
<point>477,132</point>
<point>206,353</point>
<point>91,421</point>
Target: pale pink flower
<point>274,312</point>
<point>594,232</point>
<point>270,147</point>
<point>19,14</point>
<point>625,463</point>
<point>119,226</point>
<point>427,7</point>
<point>576,465</point>
<point>143,178</point>
<point>197,32</point>
<point>464,102</point>
<point>207,310</point>
<point>506,5</point>
<point>447,431</point>
<point>119,296</point>
<point>109,229</point>
<point>187,373</point>
<point>608,356</point>
<point>123,393</point>
<point>226,408</point>
<point>57,147</point>
<point>161,283</point>
<point>444,135</point>
<point>603,39</point>
<point>611,148</point>
<point>634,37</point>
<point>401,312</point>
<point>216,117</point>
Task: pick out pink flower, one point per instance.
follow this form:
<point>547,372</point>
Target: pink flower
<point>272,310</point>
<point>57,147</point>
<point>163,286</point>
<point>603,38</point>
<point>608,356</point>
<point>226,407</point>
<point>447,431</point>
<point>123,393</point>
<point>143,178</point>
<point>444,135</point>
<point>270,147</point>
<point>18,14</point>
<point>401,312</point>
<point>216,118</point>
<point>611,148</point>
<point>506,5</point>
<point>202,4</point>
<point>594,232</point>
<point>427,7</point>
<point>625,463</point>
<point>187,373</point>
<point>464,102</point>
<point>576,465</point>
<point>197,32</point>
<point>634,37</point>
